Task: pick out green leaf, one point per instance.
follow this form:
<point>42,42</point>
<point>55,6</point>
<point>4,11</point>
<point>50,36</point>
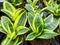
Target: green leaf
<point>48,20</point>
<point>6,41</point>
<point>15,2</point>
<point>29,8</point>
<point>47,34</point>
<point>18,41</point>
<point>30,19</point>
<point>8,6</point>
<point>53,7</point>
<point>59,26</point>
<point>18,2</point>
<point>16,13</point>
<point>7,12</point>
<point>53,25</point>
<point>9,41</point>
<point>31,36</point>
<point>22,30</point>
<point>34,2</point>
<point>21,20</point>
<point>40,29</point>
<point>1,29</point>
<point>7,24</point>
<point>29,1</point>
<point>8,9</point>
<point>37,21</point>
<point>45,2</point>
<point>49,3</point>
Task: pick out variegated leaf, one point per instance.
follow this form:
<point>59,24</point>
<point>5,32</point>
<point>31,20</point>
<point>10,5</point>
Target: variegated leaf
<point>48,34</point>
<point>29,8</point>
<point>9,41</point>
<point>48,19</point>
<point>1,29</point>
<point>29,1</point>
<point>7,24</point>
<point>31,36</point>
<point>7,12</point>
<point>53,25</point>
<point>21,20</point>
<point>37,21</point>
<point>22,30</point>
<point>30,19</point>
<point>16,14</point>
<point>8,6</point>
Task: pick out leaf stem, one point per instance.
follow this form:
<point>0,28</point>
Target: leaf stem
<point>42,10</point>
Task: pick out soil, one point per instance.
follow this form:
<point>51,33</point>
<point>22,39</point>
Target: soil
<point>40,42</point>
<point>58,39</point>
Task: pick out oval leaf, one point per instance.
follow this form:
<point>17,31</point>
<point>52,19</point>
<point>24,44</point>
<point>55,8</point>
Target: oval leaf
<point>29,1</point>
<point>53,25</point>
<point>9,41</point>
<point>30,19</point>
<point>1,29</point>
<point>47,34</point>
<point>29,8</point>
<point>48,20</point>
<point>16,13</point>
<point>21,20</point>
<point>31,36</point>
<point>7,12</point>
<point>8,6</point>
<point>37,21</point>
<point>7,24</point>
<point>22,30</point>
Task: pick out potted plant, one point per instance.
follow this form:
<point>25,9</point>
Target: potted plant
<point>50,22</point>
<point>12,32</point>
<point>39,30</point>
<point>13,25</point>
<point>54,8</point>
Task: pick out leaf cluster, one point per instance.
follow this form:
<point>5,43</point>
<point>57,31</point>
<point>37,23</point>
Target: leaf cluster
<point>14,23</point>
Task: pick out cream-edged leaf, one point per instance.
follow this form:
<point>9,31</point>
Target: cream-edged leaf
<point>48,34</point>
<point>21,20</point>
<point>37,21</point>
<point>31,36</point>
<point>22,30</point>
<point>7,24</point>
<point>8,6</point>
<point>53,25</point>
